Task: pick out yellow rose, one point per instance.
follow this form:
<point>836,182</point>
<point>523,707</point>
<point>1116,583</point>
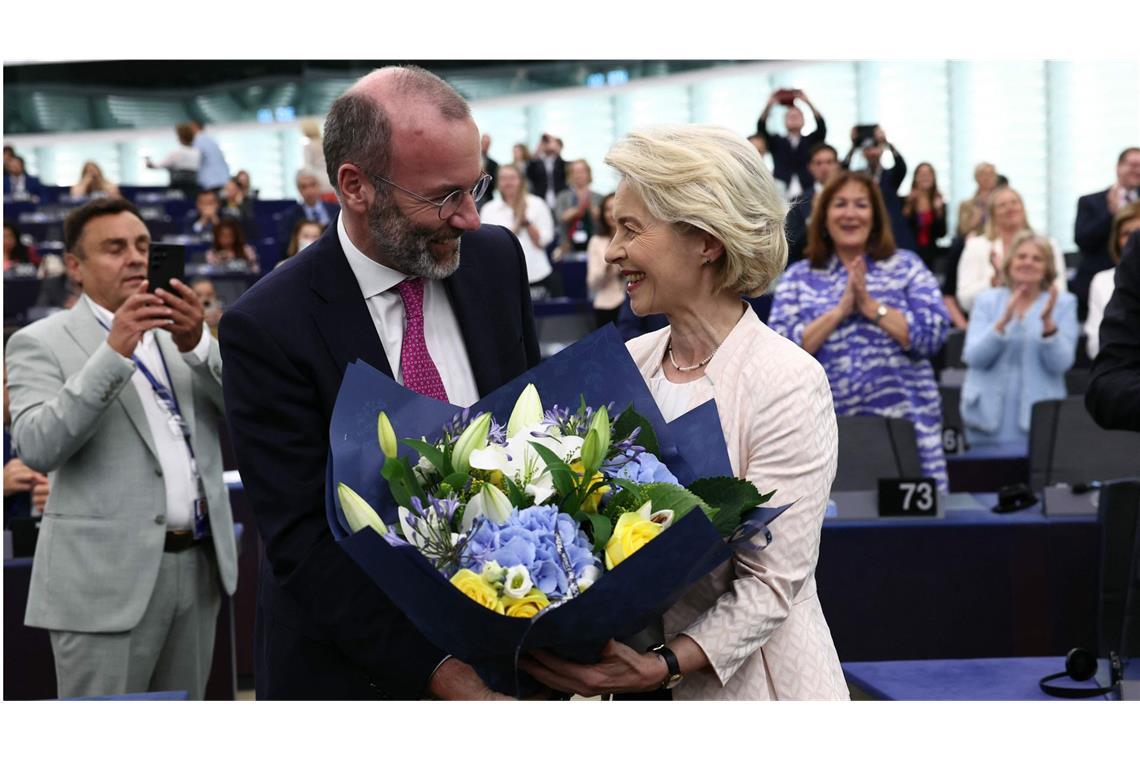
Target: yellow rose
<point>528,606</point>
<point>478,589</point>
<point>632,532</point>
<point>595,498</point>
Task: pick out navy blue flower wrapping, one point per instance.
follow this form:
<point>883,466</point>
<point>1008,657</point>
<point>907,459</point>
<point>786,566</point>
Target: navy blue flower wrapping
<point>621,602</point>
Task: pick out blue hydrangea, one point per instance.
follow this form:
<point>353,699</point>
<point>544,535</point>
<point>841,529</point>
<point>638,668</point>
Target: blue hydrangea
<point>645,468</point>
<point>527,539</point>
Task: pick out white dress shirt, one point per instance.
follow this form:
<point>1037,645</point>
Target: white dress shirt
<point>1100,292</point>
<point>173,454</point>
<point>441,329</point>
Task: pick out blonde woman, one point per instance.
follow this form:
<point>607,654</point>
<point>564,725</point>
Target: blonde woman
<point>528,217</point>
<point>700,223</point>
<point>92,184</point>
<point>982,258</point>
<point>603,279</point>
<point>1126,221</point>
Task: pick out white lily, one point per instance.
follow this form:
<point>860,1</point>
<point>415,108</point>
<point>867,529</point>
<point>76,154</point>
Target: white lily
<point>474,437</point>
<point>520,462</point>
<point>358,512</point>
<point>527,412</point>
<point>518,582</point>
<point>489,502</point>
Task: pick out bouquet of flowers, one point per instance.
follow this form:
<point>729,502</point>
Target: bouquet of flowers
<point>562,528</point>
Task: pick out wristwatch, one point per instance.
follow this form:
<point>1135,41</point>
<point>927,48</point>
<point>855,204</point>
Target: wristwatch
<point>880,313</point>
<point>674,677</point>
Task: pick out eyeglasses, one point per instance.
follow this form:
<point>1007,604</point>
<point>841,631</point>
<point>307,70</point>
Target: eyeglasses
<point>451,203</point>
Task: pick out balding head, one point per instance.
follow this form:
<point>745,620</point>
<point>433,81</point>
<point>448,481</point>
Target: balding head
<point>381,109</point>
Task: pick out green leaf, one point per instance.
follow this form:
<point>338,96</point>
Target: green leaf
<point>560,472</point>
<point>628,499</point>
<point>670,496</point>
<point>457,481</point>
<point>732,497</point>
<point>517,496</point>
<point>592,454</point>
<point>437,458</point>
<point>629,420</point>
<point>600,526</point>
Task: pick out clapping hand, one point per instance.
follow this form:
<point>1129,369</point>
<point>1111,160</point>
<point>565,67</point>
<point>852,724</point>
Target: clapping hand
<point>995,262</point>
<point>1022,294</point>
<point>1048,326</point>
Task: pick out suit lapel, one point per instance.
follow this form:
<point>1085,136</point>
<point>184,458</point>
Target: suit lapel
<point>89,334</point>
<point>344,321</point>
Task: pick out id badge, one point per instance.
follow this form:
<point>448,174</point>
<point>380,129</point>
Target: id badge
<point>201,518</point>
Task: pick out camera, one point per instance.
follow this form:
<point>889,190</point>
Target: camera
<point>865,135</point>
<point>785,96</point>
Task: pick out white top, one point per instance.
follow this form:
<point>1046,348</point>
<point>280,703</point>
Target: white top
<point>173,454</point>
<point>537,213</point>
<point>441,330</point>
<point>673,398</point>
<point>975,269</point>
<point>182,158</point>
<point>1100,291</point>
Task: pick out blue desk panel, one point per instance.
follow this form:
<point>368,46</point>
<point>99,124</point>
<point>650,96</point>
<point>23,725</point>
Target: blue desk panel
<point>982,679</point>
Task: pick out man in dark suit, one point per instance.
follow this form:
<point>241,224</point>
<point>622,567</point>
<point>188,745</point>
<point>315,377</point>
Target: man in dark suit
<point>1094,222</point>
<point>18,184</point>
<point>823,163</point>
<point>490,167</point>
<point>1113,397</point>
<point>790,155</point>
<point>546,172</point>
<point>310,208</point>
<point>385,284</point>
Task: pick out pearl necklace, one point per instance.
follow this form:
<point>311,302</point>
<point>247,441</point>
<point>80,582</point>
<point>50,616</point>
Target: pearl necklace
<point>698,365</point>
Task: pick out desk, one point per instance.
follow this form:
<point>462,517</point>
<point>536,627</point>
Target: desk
<point>973,584</point>
<point>1012,678</point>
<point>988,468</point>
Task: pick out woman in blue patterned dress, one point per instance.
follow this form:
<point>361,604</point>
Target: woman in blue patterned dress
<point>870,313</point>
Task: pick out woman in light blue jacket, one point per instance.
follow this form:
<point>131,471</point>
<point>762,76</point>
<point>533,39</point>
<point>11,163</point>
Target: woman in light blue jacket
<point>1021,340</point>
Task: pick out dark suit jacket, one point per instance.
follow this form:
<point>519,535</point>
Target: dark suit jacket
<point>787,160</point>
<point>288,220</point>
<point>1091,231</point>
<point>286,343</point>
<point>536,176</point>
<point>491,166</point>
<point>32,186</point>
<point>1113,397</point>
<point>796,224</point>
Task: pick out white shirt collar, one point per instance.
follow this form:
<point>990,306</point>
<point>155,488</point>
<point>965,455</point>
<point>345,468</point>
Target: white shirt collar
<point>374,278</point>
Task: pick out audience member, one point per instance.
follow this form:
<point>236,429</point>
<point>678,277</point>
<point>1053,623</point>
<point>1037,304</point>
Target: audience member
<point>980,266</point>
<point>1126,221</point>
<point>760,143</point>
<point>236,205</point>
<point>520,157</point>
<point>490,168</point>
<point>529,219</point>
<point>92,184</point>
<point>207,294</point>
<point>925,214</point>
<point>200,221</point>
<point>243,181</point>
<point>889,180</point>
<point>1113,396</point>
<point>182,162</point>
<point>213,171</point>
<point>577,209</point>
<point>603,280</point>
<point>1021,340</point>
<point>18,184</point>
<point>870,313</point>
<point>58,289</point>
<point>791,154</point>
<point>310,207</point>
<point>546,172</point>
<point>823,162</point>
<point>15,252</point>
<point>1095,211</point>
<point>313,156</point>
<point>304,234</point>
<point>138,547</point>
<point>25,490</point>
<point>974,212</point>
<point>230,247</point>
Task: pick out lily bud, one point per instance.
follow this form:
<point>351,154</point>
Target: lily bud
<point>387,435</point>
<point>474,437</point>
<point>357,511</point>
<point>489,502</point>
<point>527,411</point>
<point>601,424</point>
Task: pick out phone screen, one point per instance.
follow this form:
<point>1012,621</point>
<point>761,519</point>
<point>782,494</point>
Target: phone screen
<point>166,262</point>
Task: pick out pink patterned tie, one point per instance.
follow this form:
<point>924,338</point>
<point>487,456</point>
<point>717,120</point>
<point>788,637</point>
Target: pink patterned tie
<point>420,373</point>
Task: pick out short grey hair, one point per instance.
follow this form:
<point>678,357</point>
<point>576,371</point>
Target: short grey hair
<point>712,179</point>
<point>358,129</point>
<point>305,174</point>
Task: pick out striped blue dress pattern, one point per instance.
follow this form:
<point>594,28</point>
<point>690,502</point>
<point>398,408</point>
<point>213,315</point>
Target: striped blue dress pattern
<point>869,372</point>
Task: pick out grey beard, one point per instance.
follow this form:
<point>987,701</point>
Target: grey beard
<point>406,247</point>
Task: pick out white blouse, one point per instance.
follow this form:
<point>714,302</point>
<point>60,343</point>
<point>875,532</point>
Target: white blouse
<point>537,213</point>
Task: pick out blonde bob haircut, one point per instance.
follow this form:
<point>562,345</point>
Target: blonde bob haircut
<point>1044,247</point>
<point>711,179</point>
<point>990,230</point>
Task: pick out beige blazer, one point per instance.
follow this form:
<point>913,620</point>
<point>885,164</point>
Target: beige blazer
<point>757,616</point>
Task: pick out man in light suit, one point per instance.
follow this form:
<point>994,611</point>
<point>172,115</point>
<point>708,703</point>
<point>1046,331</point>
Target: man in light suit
<point>385,284</point>
<point>119,399</point>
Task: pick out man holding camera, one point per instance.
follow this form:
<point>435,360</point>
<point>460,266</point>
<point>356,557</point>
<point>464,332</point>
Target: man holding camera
<point>791,154</point>
<point>120,400</point>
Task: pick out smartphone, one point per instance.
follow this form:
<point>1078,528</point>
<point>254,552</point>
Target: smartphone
<point>786,96</point>
<point>865,134</point>
<point>166,262</point>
